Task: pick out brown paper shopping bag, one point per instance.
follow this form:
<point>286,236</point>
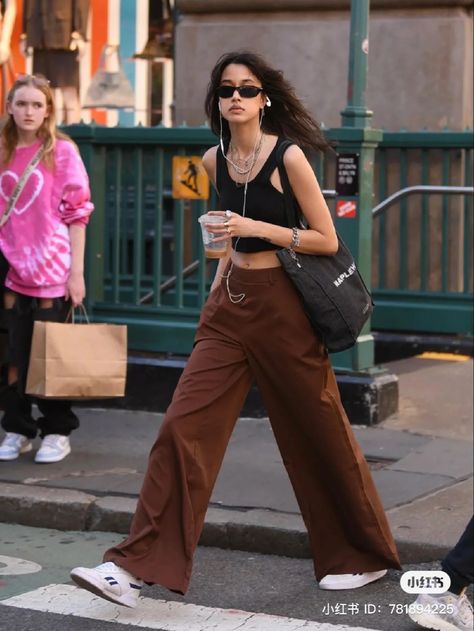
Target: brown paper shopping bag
<point>76,361</point>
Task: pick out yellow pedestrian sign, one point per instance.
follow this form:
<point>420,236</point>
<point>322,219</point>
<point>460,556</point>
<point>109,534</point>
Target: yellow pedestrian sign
<point>190,180</point>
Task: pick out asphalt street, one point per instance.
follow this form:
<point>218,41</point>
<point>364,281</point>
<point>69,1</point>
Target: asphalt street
<point>223,580</point>
<point>58,516</point>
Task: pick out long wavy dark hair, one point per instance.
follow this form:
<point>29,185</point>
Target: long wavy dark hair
<point>287,115</point>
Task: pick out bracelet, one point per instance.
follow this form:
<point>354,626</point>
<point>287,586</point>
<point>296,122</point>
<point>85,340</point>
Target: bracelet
<point>295,238</point>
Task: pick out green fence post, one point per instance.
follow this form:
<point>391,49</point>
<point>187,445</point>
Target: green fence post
<point>369,393</point>
<point>354,174</point>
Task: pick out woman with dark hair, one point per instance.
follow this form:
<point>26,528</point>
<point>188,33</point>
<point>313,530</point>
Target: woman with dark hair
<point>253,327</point>
<point>285,116</point>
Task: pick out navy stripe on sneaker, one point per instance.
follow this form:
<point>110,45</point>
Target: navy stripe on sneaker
<point>111,580</point>
<point>135,586</point>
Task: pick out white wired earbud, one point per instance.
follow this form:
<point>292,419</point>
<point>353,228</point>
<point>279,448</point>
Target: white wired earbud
<point>268,103</point>
<point>221,140</point>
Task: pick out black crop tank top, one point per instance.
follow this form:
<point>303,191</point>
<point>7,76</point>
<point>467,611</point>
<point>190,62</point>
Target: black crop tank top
<point>264,201</point>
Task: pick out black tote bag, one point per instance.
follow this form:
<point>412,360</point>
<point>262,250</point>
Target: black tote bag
<point>333,292</point>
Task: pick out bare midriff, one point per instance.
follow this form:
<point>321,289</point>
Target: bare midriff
<point>255,260</point>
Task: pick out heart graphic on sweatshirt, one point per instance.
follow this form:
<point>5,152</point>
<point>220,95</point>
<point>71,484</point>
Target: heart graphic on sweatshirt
<point>31,190</point>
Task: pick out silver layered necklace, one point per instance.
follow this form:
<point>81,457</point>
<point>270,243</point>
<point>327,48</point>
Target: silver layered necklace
<point>236,298</point>
<point>246,164</point>
<point>242,166</point>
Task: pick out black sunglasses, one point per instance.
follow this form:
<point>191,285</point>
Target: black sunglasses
<point>245,91</point>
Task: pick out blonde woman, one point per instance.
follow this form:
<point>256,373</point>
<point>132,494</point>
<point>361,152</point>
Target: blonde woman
<point>41,255</point>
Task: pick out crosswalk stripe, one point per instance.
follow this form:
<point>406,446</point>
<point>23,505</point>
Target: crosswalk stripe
<point>160,614</point>
<point>13,565</point>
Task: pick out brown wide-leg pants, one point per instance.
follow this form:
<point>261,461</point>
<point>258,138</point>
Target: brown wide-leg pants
<point>266,337</point>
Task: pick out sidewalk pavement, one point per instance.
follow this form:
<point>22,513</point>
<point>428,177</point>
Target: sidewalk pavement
<point>421,460</point>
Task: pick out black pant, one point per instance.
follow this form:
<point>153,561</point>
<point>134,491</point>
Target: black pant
<point>459,562</point>
<point>58,417</point>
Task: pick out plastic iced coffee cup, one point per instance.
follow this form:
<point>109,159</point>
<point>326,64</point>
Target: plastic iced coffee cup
<point>212,249</point>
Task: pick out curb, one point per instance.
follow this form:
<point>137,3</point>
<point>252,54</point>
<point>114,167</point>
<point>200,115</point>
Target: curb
<point>255,530</point>
<point>367,399</point>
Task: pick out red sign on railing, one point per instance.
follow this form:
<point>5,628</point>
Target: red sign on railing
<point>346,208</point>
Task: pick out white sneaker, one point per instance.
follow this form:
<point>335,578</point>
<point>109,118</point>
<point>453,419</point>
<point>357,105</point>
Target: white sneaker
<point>443,612</point>
<point>109,581</point>
<point>349,581</point>
<point>54,448</point>
<point>13,445</point>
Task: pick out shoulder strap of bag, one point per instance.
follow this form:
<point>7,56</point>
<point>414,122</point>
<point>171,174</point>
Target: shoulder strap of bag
<point>20,185</point>
<point>292,211</point>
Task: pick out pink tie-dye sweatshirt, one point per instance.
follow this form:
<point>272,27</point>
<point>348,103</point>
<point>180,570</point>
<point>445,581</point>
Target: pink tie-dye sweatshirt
<point>35,240</point>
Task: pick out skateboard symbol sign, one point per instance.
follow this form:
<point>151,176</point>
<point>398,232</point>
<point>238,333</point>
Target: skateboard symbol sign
<point>190,181</point>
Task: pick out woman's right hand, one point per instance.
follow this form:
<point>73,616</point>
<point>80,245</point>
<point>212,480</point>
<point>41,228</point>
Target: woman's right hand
<point>76,288</point>
<point>233,225</point>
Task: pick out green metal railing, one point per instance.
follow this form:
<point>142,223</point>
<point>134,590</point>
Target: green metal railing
<point>145,262</point>
<point>422,266</point>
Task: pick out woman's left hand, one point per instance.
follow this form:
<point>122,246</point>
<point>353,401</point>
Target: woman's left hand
<point>76,288</point>
<point>233,225</point>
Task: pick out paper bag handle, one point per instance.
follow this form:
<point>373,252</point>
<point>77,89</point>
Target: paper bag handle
<point>70,315</point>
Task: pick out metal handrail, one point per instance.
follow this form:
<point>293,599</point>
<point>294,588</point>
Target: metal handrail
<point>170,282</point>
<point>330,194</point>
<point>441,190</point>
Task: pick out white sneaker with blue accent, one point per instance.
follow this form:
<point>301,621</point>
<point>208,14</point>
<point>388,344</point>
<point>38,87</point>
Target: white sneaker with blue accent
<point>350,581</point>
<point>54,448</point>
<point>109,581</point>
<point>13,445</point>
